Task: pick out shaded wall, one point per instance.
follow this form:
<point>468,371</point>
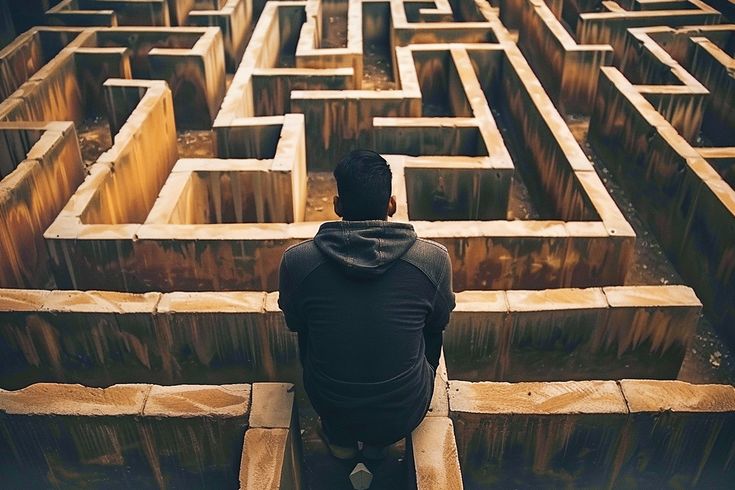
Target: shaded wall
<point>42,167</point>
<point>571,334</point>
<point>101,338</point>
<point>690,207</point>
<point>594,433</point>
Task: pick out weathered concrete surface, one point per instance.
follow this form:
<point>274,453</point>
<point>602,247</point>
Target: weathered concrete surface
<point>110,12</point>
<point>101,338</point>
<point>129,435</point>
<point>679,434</point>
<point>67,336</point>
<point>194,433</point>
<point>263,457</point>
<point>571,334</point>
<point>233,19</point>
<point>189,59</point>
<point>243,190</point>
<point>139,161</point>
<point>197,400</point>
<point>41,167</point>
<point>55,399</point>
<point>22,58</point>
<point>538,434</point>
<point>121,186</point>
<point>609,27</point>
<point>434,455</point>
<point>271,456</point>
<point>439,406</point>
<point>567,70</point>
<point>58,435</point>
<point>598,433</point>
<point>649,319</point>
<point>273,405</point>
<point>485,255</point>
<point>688,204</point>
<point>544,254</point>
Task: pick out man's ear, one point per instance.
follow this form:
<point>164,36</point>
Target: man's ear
<point>392,206</point>
<point>337,206</point>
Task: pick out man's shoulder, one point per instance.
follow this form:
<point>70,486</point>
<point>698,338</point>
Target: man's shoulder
<point>302,248</point>
<point>302,258</point>
<point>430,257</point>
<point>431,247</point>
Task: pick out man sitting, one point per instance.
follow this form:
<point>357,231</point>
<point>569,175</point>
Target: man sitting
<point>369,301</point>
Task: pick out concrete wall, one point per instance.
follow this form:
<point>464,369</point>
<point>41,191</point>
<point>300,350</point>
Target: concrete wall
<point>28,53</point>
<point>272,450</point>
<point>571,334</point>
<point>68,85</point>
<point>190,59</point>
<point>135,435</point>
<point>109,12</point>
<point>41,167</point>
<point>594,433</point>
<point>691,208</point>
<point>586,252</point>
<point>566,69</point>
<point>101,338</point>
<point>609,27</point>
<point>233,19</point>
<point>150,436</point>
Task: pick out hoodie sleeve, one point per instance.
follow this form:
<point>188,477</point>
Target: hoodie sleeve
<point>286,298</point>
<point>437,320</point>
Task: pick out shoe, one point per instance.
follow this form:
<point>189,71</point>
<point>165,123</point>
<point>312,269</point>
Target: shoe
<point>374,452</point>
<point>340,452</point>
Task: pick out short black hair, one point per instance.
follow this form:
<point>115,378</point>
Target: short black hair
<point>364,185</point>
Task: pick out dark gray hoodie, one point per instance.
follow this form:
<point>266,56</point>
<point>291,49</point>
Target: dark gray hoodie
<point>369,301</point>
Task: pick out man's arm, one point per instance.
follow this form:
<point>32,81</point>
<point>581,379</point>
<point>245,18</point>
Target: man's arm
<point>438,318</point>
<point>295,321</point>
<point>286,298</point>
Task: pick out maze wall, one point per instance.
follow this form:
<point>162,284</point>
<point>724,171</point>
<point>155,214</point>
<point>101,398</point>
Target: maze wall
<point>158,156</point>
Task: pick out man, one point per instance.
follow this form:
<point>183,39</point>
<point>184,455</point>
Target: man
<point>369,301</point>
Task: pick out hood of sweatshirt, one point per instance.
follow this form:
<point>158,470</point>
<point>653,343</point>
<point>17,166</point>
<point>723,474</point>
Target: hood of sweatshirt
<point>364,248</point>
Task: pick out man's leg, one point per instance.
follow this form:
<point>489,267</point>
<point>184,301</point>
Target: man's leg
<point>370,451</point>
<point>341,444</point>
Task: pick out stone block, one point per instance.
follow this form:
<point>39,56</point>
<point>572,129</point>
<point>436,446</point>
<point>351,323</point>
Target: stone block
<point>434,455</point>
<point>72,435</point>
<point>273,405</point>
<point>132,435</point>
<point>472,338</point>
<point>538,434</point>
<point>225,336</point>
<point>678,434</point>
<point>98,338</point>
<point>194,433</point>
<point>272,454</point>
<point>439,406</point>
<point>263,458</point>
<point>648,328</point>
<point>547,332</point>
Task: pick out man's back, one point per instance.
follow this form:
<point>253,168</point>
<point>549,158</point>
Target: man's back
<point>369,301</point>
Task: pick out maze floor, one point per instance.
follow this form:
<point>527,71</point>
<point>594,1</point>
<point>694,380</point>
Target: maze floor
<point>576,158</point>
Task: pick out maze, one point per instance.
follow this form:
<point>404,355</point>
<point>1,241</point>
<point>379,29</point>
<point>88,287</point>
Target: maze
<point>158,156</point>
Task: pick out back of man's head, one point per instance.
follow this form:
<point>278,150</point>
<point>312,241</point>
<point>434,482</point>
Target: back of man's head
<point>364,186</point>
